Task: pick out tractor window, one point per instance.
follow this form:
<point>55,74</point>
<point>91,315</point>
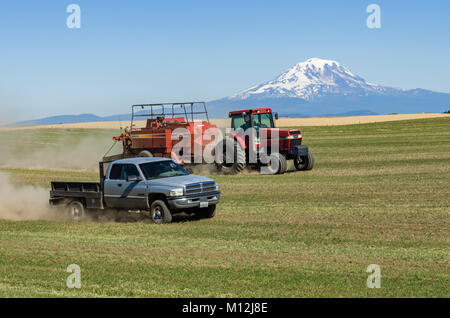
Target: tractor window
<point>263,121</point>
<point>238,121</point>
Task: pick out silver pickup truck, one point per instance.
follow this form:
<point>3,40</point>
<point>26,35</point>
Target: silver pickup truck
<point>158,186</point>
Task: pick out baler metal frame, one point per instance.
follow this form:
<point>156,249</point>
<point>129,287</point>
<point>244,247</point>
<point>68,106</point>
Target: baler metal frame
<point>164,106</point>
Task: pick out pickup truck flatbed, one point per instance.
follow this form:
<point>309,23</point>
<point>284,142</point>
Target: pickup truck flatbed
<point>158,186</point>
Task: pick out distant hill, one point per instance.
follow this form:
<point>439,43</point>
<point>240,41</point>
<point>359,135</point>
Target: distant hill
<point>64,119</point>
<point>71,119</point>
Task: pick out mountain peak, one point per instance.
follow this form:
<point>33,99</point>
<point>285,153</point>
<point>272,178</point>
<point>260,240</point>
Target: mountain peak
<point>318,62</point>
<point>311,79</point>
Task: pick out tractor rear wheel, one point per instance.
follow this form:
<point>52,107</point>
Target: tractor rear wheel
<point>231,164</point>
<point>305,162</point>
<point>145,153</point>
<point>279,168</point>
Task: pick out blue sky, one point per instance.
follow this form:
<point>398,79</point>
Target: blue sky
<point>153,51</point>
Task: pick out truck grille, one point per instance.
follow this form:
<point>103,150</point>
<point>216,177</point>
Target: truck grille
<point>202,187</point>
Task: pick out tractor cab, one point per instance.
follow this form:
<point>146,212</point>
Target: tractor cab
<point>253,118</point>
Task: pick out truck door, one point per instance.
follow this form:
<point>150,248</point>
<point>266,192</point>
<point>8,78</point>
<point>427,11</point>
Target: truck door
<point>121,193</point>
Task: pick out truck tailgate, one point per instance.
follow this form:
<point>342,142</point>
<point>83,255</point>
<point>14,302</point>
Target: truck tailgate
<point>89,192</point>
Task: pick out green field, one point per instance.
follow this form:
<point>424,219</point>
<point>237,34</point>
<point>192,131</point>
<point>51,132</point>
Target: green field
<point>379,194</point>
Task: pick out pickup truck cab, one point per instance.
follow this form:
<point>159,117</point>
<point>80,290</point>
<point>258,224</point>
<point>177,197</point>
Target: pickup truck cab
<point>158,186</point>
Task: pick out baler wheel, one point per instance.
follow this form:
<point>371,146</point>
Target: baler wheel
<point>145,153</point>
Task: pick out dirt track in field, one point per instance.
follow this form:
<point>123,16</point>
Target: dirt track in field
<point>282,122</point>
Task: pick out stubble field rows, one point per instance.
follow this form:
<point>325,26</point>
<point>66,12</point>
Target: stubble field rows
<point>379,194</point>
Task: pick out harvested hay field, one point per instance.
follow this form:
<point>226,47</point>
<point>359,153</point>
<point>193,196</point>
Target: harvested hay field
<point>379,194</point>
<point>282,122</point>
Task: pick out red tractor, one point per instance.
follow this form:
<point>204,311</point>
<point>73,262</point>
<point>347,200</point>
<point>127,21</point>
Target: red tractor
<point>289,143</point>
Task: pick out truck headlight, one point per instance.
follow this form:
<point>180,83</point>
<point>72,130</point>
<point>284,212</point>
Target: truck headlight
<point>176,193</point>
<point>217,187</point>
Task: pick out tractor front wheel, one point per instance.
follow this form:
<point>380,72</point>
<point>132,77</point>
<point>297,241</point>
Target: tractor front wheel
<point>277,164</point>
<point>304,162</point>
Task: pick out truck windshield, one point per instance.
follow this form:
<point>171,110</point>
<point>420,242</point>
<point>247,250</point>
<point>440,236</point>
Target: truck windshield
<point>162,169</point>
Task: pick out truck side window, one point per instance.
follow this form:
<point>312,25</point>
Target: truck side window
<point>116,171</point>
<point>129,170</point>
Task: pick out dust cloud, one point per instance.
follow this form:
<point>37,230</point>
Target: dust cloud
<point>26,203</point>
<point>82,155</point>
<point>211,169</point>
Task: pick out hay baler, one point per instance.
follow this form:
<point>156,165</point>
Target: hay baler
<point>159,134</point>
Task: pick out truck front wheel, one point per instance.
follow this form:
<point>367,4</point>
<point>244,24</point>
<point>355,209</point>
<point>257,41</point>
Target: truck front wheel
<point>160,213</point>
<point>305,162</point>
<point>76,210</point>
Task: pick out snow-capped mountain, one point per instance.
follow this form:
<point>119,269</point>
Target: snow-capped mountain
<point>325,87</point>
<point>312,79</point>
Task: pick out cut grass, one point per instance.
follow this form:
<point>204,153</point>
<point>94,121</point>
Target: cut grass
<point>379,194</point>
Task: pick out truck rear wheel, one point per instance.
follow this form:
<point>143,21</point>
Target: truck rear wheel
<point>76,210</point>
<point>145,153</point>
<point>160,213</point>
<point>231,164</point>
<point>305,162</point>
<point>282,163</point>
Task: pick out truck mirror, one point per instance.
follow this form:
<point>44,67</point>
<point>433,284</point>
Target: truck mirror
<point>276,116</point>
<point>134,179</point>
